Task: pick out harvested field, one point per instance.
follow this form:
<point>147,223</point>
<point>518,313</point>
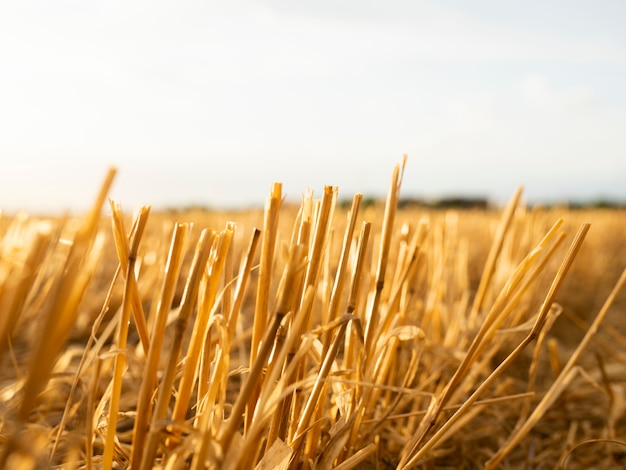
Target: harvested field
<point>314,336</point>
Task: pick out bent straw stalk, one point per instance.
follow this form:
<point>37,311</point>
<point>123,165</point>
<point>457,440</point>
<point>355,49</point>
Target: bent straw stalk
<point>563,378</point>
<point>414,455</point>
<point>122,331</point>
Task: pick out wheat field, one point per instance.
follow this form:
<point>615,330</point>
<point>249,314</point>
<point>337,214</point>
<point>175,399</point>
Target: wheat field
<point>314,336</point>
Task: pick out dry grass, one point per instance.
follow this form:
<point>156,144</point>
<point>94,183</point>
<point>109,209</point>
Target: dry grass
<point>325,338</point>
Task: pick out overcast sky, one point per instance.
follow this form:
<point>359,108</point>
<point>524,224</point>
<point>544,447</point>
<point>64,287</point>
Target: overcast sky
<point>206,102</point>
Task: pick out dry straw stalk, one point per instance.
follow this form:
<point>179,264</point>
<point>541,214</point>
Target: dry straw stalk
<point>414,341</point>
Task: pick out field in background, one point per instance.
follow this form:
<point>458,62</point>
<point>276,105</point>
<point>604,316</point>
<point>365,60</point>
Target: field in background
<point>356,372</point>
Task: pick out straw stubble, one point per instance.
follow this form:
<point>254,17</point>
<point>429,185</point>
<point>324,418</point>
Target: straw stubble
<point>330,348</point>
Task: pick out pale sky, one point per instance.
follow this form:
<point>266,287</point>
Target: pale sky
<point>206,102</point>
